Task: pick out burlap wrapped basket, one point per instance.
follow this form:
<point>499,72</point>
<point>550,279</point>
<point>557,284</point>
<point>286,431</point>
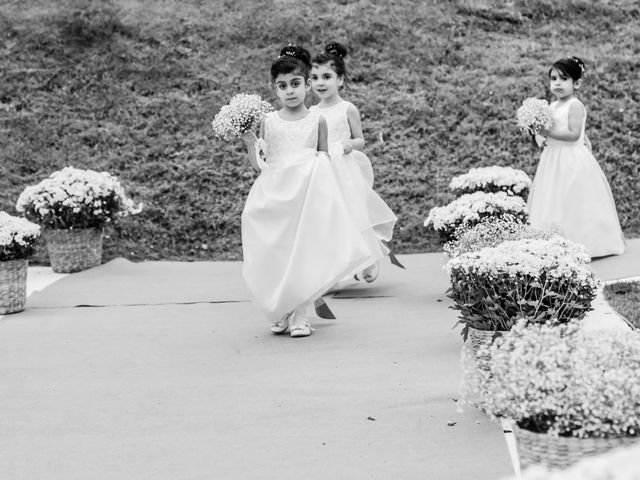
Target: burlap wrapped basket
<point>75,249</point>
<point>561,452</point>
<point>13,285</point>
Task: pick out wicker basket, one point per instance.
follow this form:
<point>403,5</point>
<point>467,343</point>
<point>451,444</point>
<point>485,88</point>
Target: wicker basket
<point>75,249</point>
<point>13,285</point>
<point>561,452</point>
<point>480,338</point>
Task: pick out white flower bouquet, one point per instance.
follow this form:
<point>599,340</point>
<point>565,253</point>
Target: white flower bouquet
<point>492,179</point>
<point>534,115</point>
<point>241,115</point>
<point>539,280</point>
<point>75,198</point>
<point>17,237</point>
<point>565,380</point>
<point>491,232</point>
<point>471,208</point>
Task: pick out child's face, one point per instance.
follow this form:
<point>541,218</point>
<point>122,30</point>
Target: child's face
<point>562,85</point>
<point>325,82</point>
<point>291,89</point>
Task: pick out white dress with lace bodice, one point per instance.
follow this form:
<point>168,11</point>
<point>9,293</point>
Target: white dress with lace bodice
<point>571,192</point>
<point>298,235</point>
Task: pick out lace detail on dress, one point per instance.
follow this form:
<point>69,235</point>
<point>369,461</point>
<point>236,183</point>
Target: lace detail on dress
<point>289,139</point>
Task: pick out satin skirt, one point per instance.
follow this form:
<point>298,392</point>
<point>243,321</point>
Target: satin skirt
<point>299,236</point>
<point>571,192</point>
<point>370,212</point>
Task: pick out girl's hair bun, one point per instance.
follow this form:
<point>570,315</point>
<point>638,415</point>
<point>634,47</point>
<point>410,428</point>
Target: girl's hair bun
<point>580,64</point>
<point>336,49</point>
<point>296,51</point>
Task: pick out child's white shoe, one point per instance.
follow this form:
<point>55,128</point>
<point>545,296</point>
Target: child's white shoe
<point>282,325</point>
<point>301,327</point>
<point>369,274</point>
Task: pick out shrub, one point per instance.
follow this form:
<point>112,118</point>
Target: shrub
<point>539,280</point>
<point>472,208</point>
<point>75,198</point>
<point>565,381</point>
<point>492,179</point>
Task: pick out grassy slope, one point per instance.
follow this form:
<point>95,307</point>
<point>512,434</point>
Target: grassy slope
<point>131,87</point>
<point>624,297</point>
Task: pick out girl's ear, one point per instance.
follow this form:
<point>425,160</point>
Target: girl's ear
<point>308,84</point>
<point>577,83</point>
<point>340,80</point>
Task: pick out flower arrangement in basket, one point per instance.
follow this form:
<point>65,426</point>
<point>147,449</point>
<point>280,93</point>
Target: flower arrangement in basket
<point>17,239</point>
<point>491,232</point>
<point>571,391</point>
<point>492,179</point>
<point>533,116</point>
<point>472,208</point>
<point>73,206</point>
<point>616,464</point>
<point>540,280</point>
<point>241,116</point>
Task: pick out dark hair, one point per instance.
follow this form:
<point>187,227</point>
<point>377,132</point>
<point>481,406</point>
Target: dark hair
<point>571,66</point>
<point>334,54</point>
<point>292,59</point>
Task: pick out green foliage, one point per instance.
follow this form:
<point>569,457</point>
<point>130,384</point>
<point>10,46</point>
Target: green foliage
<point>130,87</point>
<point>624,298</point>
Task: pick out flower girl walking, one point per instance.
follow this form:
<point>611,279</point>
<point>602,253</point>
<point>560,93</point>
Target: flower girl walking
<point>298,235</point>
<point>570,189</point>
<point>346,140</point>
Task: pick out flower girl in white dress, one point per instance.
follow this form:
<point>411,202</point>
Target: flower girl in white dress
<point>372,214</point>
<point>298,235</point>
<point>570,189</point>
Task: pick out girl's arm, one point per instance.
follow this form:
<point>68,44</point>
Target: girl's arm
<point>576,120</point>
<point>355,124</point>
<point>249,139</point>
<point>323,145</point>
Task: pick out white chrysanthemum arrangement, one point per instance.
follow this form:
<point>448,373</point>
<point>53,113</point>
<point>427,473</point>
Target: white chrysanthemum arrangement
<point>17,237</point>
<point>492,179</point>
<point>471,208</point>
<point>76,198</point>
<point>564,380</point>
<point>534,115</point>
<point>539,280</point>
<point>491,232</point>
<point>241,115</point>
<point>619,464</point>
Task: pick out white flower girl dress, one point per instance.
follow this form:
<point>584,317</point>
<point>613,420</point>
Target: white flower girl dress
<point>570,191</point>
<point>372,215</point>
<point>298,235</point>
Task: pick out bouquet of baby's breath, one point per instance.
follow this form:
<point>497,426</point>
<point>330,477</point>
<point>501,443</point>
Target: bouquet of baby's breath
<point>17,237</point>
<point>471,208</point>
<point>619,464</point>
<point>492,179</point>
<point>534,115</point>
<point>539,280</point>
<point>564,380</point>
<point>241,115</point>
<point>491,232</point>
<point>76,198</point>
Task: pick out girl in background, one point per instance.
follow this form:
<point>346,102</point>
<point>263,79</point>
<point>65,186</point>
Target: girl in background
<point>570,189</point>
<point>346,142</point>
<point>298,235</point>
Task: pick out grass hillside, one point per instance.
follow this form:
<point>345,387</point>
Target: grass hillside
<point>130,86</point>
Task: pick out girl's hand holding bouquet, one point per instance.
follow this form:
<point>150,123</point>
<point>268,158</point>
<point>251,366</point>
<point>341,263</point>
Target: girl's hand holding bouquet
<point>535,118</point>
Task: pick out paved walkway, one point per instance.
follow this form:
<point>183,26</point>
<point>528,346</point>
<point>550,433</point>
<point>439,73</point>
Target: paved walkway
<point>166,370</point>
